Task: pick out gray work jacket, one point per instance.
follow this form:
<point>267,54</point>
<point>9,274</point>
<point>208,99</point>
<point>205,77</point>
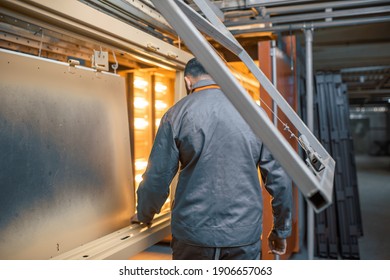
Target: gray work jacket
<point>218,200</point>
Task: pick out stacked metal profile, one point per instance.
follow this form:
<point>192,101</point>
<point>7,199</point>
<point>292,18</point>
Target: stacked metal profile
<point>340,225</point>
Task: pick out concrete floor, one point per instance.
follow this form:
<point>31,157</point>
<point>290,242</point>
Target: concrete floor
<point>374,192</point>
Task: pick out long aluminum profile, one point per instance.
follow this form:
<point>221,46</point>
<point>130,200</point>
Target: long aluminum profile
<point>317,191</point>
<point>122,244</point>
<point>267,84</point>
<point>206,27</point>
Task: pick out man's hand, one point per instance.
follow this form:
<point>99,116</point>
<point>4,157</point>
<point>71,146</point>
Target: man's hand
<point>134,219</point>
<point>277,245</point>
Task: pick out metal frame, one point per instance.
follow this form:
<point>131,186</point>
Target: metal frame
<point>317,189</point>
<point>310,124</point>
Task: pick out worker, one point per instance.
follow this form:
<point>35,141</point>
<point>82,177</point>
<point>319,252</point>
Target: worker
<point>217,207</point>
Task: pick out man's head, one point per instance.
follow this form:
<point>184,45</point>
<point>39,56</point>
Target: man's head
<point>194,72</point>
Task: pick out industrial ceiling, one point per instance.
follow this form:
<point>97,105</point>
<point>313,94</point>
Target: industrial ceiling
<point>351,37</point>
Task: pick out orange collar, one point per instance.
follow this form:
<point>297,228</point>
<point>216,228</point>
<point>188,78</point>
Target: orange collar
<point>205,87</point>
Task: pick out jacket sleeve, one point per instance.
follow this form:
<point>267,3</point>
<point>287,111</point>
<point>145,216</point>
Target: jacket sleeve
<point>162,166</point>
<point>279,186</point>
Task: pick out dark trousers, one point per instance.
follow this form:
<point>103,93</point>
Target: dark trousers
<point>184,251</point>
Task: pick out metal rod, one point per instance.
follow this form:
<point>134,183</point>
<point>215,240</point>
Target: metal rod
<point>310,124</point>
<point>364,69</point>
<point>241,4</point>
<point>316,25</point>
<point>313,16</point>
<point>321,6</point>
<point>228,5</point>
<point>274,80</point>
<point>309,77</point>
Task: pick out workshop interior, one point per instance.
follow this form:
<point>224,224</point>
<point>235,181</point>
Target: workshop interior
<point>84,85</point>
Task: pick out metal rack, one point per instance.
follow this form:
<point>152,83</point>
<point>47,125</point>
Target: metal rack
<point>339,227</point>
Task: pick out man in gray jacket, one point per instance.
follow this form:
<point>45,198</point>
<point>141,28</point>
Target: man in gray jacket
<point>217,209</point>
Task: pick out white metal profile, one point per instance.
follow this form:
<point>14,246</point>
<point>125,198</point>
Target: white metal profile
<point>315,180</point>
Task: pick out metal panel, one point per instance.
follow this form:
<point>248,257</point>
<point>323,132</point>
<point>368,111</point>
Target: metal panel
<point>65,167</point>
<point>317,190</point>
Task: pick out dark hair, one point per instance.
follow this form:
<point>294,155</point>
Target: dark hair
<point>194,68</point>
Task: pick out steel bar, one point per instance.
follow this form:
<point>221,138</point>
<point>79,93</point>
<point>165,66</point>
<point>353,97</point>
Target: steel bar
<point>226,5</point>
<point>312,17</point>
<point>315,25</point>
<point>274,80</point>
<point>309,76</point>
<point>217,11</point>
<point>204,26</point>
<point>321,6</point>
<point>252,3</point>
<point>268,86</point>
<point>310,120</point>
<point>363,69</point>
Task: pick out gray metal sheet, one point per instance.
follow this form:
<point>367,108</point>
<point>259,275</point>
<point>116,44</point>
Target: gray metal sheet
<point>65,168</point>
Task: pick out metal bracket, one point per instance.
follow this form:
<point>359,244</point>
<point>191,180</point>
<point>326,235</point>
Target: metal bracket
<point>72,65</point>
<point>100,60</point>
<point>318,187</point>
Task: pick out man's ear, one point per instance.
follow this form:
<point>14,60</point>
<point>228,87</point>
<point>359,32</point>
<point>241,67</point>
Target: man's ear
<point>188,83</point>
